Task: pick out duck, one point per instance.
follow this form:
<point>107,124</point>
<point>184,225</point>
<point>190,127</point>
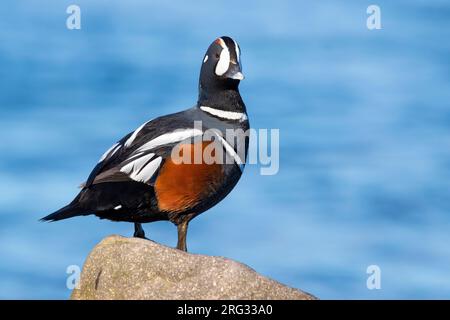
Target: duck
<point>176,166</point>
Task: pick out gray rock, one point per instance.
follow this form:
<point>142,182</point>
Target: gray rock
<point>132,268</point>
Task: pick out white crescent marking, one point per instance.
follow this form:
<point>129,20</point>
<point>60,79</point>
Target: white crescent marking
<point>230,115</point>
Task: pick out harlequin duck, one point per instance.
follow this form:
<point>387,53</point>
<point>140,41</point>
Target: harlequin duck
<point>141,179</point>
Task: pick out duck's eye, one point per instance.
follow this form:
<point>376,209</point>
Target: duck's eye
<point>217,55</point>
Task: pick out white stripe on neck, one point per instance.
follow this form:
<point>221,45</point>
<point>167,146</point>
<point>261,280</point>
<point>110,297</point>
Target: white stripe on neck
<point>229,115</point>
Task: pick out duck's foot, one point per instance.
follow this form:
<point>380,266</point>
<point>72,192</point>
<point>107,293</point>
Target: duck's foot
<point>182,233</point>
<point>139,231</point>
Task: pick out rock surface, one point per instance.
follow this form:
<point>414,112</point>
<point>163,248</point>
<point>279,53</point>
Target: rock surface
<point>132,268</point>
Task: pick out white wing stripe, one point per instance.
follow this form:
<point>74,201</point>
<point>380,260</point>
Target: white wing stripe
<point>134,135</point>
<point>141,169</point>
<point>149,170</point>
<point>136,165</point>
<point>167,138</point>
<point>110,151</point>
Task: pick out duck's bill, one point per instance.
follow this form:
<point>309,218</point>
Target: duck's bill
<point>237,76</point>
<point>235,72</point>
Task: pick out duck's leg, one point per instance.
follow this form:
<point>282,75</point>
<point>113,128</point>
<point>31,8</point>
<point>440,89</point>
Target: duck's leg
<point>182,233</point>
<point>138,231</point>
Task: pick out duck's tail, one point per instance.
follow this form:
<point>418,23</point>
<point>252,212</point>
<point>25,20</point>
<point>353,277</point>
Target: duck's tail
<point>69,211</point>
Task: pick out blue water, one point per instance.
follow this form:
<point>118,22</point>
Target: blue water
<point>364,119</point>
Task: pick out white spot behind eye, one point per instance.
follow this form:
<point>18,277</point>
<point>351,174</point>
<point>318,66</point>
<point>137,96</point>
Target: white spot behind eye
<point>224,62</point>
<point>206,59</point>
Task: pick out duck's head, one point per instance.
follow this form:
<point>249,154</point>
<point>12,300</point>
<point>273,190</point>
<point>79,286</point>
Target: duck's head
<point>221,66</point>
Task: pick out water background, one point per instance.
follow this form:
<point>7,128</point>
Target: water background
<point>364,119</point>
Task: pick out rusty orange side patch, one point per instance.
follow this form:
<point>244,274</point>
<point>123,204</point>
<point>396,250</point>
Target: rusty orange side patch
<point>182,186</point>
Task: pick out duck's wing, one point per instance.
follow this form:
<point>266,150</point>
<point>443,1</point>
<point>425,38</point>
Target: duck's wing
<point>139,155</point>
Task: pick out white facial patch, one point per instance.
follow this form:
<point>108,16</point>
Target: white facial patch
<point>224,59</point>
<point>206,59</point>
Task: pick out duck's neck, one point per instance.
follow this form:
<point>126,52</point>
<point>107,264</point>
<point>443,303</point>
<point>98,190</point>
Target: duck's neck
<point>226,99</point>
